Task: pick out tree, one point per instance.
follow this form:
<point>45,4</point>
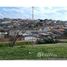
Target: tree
<point>47,39</point>
<point>14,35</point>
<point>12,39</point>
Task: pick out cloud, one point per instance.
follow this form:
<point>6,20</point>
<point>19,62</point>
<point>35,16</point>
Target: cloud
<point>15,12</point>
<point>58,13</point>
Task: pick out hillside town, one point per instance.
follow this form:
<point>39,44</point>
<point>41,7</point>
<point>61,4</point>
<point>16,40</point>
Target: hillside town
<point>32,30</point>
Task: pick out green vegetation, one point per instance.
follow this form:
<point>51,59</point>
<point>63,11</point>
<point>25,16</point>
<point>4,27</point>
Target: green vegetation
<point>27,51</point>
<point>47,40</point>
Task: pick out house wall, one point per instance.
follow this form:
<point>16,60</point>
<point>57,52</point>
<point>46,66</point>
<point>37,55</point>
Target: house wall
<point>1,36</point>
<point>30,38</point>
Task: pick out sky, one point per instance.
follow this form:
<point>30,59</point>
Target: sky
<point>55,13</point>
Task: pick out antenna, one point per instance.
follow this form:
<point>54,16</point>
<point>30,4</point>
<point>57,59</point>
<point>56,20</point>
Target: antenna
<point>32,13</point>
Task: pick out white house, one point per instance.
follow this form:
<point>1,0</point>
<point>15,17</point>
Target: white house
<point>30,38</point>
<point>6,22</point>
<point>27,33</point>
<point>2,34</point>
<point>14,32</point>
<point>46,29</point>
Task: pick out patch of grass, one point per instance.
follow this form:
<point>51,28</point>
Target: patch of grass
<point>4,44</point>
<point>39,51</point>
<point>24,43</point>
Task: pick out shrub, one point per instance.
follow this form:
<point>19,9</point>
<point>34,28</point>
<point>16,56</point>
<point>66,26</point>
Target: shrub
<point>46,41</point>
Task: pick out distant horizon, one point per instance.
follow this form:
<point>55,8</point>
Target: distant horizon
<point>32,19</point>
<point>54,13</point>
